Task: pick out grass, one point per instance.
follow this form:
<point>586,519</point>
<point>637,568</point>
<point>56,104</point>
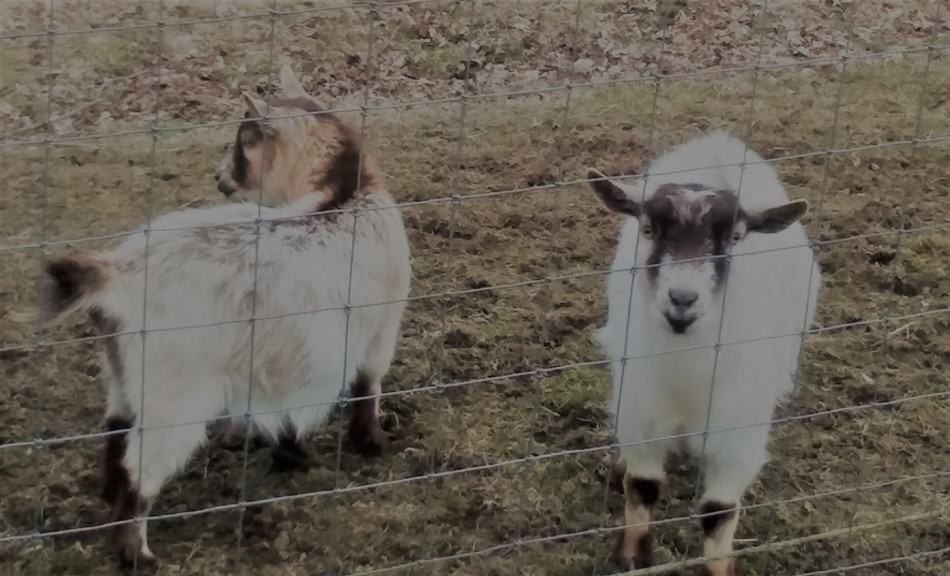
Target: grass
<point>107,186</point>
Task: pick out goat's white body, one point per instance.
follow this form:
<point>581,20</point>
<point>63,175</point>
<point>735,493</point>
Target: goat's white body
<point>208,277</point>
<point>769,299</point>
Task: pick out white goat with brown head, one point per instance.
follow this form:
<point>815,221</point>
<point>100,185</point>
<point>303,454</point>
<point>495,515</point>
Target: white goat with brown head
<point>324,273</point>
<point>705,329</point>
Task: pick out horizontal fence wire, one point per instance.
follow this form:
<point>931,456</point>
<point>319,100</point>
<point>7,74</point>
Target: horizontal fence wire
<point>517,285</point>
<point>441,475</point>
<point>475,97</point>
<point>12,142</point>
<point>546,371</point>
<point>455,198</point>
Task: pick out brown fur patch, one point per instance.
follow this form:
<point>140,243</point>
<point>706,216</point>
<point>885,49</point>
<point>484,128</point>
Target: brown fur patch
<point>67,279</point>
<point>346,173</point>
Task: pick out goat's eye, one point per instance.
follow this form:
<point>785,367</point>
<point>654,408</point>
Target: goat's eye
<point>647,231</point>
<point>736,236</point>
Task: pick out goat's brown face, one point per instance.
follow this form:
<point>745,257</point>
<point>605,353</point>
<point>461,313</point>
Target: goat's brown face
<point>686,234</point>
<point>281,149</point>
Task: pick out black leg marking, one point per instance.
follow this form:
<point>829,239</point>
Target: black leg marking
<point>640,492</point>
<point>126,501</point>
<point>714,514</point>
<point>288,455</point>
<point>647,490</point>
<point>115,478</point>
<point>365,432</point>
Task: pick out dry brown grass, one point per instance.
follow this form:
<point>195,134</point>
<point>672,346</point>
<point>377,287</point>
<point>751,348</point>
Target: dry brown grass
<point>105,186</point>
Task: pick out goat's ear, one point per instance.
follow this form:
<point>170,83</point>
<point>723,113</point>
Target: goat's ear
<point>289,83</point>
<point>257,107</point>
<point>776,219</point>
<point>612,195</point>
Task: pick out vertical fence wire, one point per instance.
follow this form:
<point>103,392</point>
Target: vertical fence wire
<point>373,17</point>
<point>141,514</point>
<point>644,181</point>
<point>912,158</point>
<point>248,422</point>
<point>42,227</point>
<point>457,180</point>
<point>566,78</point>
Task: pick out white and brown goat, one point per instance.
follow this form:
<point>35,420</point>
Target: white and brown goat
<point>330,244</point>
<point>711,276</point>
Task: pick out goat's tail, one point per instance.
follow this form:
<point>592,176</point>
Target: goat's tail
<point>69,284</point>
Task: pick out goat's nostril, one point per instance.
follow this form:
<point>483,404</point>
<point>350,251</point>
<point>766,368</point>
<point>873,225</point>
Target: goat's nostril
<point>217,177</point>
<point>683,298</point>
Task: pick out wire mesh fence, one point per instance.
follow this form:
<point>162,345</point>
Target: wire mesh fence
<point>497,392</point>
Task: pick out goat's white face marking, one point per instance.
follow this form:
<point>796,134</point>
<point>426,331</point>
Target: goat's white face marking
<point>689,230</point>
<point>683,292</point>
<point>686,233</point>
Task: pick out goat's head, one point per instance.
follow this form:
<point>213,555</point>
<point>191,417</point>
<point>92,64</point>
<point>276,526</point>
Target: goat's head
<point>687,232</point>
<point>287,147</point>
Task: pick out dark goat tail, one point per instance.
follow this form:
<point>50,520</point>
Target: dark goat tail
<point>68,283</point>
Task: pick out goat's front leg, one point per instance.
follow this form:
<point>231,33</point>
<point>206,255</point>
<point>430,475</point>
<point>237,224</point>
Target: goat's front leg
<point>719,521</point>
<point>641,489</point>
<point>735,459</point>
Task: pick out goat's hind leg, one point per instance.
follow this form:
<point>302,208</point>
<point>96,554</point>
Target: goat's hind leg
<point>156,447</point>
<point>366,432</point>
<point>289,455</point>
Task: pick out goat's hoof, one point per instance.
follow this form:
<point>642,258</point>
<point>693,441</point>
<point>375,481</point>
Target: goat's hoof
<point>367,437</point>
<point>642,556</point>
<point>289,458</point>
<point>134,556</point>
<point>389,421</point>
<point>371,445</point>
<point>619,557</point>
<point>718,568</point>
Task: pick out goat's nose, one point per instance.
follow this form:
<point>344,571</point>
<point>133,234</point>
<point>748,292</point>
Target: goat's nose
<point>225,188</point>
<point>683,298</point>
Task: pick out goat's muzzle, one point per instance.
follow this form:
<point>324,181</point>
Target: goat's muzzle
<point>225,187</point>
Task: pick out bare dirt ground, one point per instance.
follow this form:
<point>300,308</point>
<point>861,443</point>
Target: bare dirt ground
<point>843,488</point>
